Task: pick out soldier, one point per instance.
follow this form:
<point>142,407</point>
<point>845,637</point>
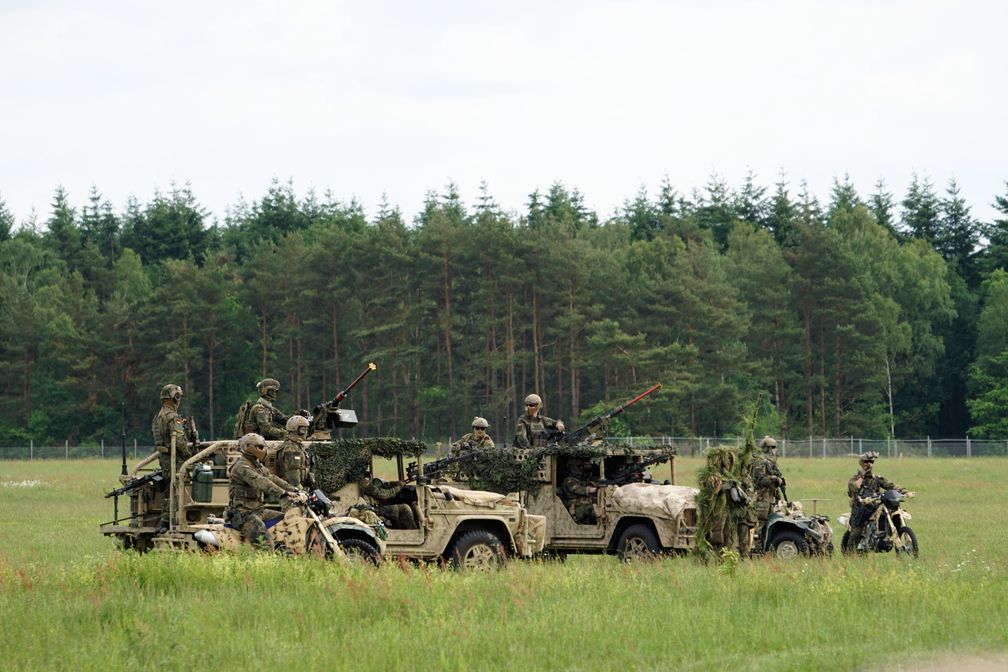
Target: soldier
<point>533,429</point>
<point>767,479</point>
<point>478,439</point>
<point>262,417</point>
<point>292,462</point>
<point>248,482</point>
<point>390,501</point>
<point>864,484</point>
<point>167,425</point>
<point>579,493</point>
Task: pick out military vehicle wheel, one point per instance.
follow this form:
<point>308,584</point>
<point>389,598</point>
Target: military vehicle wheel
<point>637,542</point>
<point>788,545</point>
<point>359,551</point>
<point>477,550</point>
<point>909,540</point>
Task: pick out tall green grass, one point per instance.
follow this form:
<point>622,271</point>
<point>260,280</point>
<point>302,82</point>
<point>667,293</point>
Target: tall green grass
<point>68,599</point>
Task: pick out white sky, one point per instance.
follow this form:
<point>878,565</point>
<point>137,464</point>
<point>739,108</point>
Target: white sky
<point>372,97</point>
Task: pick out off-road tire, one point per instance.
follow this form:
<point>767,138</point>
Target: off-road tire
<point>360,551</point>
<point>906,533</point>
<point>789,545</point>
<point>638,542</point>
<point>476,550</point>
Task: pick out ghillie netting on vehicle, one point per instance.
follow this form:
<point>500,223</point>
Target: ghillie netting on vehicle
<point>342,461</point>
<point>726,501</point>
<point>506,470</point>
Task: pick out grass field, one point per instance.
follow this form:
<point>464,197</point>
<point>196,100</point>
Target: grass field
<point>70,600</point>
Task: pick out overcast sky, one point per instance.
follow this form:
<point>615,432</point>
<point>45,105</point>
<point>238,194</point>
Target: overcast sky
<point>371,97</point>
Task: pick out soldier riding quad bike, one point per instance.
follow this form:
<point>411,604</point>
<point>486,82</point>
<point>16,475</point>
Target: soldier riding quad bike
<point>885,525</point>
<point>789,533</point>
<point>201,489</point>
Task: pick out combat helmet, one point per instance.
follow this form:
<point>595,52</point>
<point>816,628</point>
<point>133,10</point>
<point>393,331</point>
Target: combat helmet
<point>296,423</point>
<point>767,443</point>
<point>171,391</point>
<point>253,445</point>
<point>480,423</point>
<point>868,457</point>
<point>533,399</point>
<point>268,388</point>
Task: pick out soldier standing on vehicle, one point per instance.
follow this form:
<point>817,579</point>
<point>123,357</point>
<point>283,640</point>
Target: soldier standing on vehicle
<point>292,462</point>
<point>477,439</point>
<point>167,425</point>
<point>767,479</point>
<point>249,481</point>
<point>262,417</point>
<point>389,500</point>
<point>579,492</point>
<point>533,429</point>
<point>865,483</point>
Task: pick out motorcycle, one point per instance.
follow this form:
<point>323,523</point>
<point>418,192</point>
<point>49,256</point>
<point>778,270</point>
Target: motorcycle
<point>306,528</point>
<point>885,526</point>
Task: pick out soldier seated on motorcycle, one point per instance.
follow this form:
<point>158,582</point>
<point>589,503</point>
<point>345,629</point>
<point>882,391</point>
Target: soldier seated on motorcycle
<point>249,481</point>
<point>864,485</point>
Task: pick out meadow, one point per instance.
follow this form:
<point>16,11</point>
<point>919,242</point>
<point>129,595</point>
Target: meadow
<point>70,600</point>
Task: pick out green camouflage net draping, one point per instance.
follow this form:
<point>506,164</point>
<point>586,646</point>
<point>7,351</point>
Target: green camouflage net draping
<point>501,470</point>
<point>718,517</point>
<point>339,462</point>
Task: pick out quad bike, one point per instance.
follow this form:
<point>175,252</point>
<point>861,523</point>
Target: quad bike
<point>885,526</point>
<point>789,533</point>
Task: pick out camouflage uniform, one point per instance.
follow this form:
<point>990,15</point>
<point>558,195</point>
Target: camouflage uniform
<point>533,431</point>
<point>165,425</point>
<point>579,496</point>
<point>266,420</point>
<point>469,443</point>
<point>248,482</point>
<point>399,515</point>
<point>767,480</point>
<point>863,484</point>
<point>293,465</point>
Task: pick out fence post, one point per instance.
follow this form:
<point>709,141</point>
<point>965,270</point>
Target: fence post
<point>66,449</point>
<point>929,446</point>
<point>103,449</point>
<point>852,444</point>
<point>784,447</point>
<point>969,451</point>
<point>860,446</point>
<point>134,449</point>
<point>31,450</point>
<point>810,445</point>
<point>824,447</point>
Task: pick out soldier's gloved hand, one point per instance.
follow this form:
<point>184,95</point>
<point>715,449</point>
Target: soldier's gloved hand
<point>297,496</point>
<point>560,426</point>
<point>592,489</point>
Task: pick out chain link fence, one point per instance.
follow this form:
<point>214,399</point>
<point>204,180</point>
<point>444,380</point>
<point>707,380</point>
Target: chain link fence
<point>691,446</point>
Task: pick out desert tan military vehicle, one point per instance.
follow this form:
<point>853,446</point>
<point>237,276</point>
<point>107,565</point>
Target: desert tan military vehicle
<point>464,528</point>
<point>630,514</point>
<point>201,489</point>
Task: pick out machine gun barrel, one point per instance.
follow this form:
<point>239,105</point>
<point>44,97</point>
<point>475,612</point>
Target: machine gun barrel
<point>153,477</point>
<point>632,471</point>
<point>356,381</point>
<point>580,433</point>
<point>438,467</point>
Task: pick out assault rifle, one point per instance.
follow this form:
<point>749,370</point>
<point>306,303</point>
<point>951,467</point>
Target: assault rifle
<point>153,477</point>
<point>775,471</point>
<point>632,472</point>
<point>437,468</point>
<point>597,427</point>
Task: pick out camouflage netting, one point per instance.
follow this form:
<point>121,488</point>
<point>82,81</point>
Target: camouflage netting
<point>498,470</point>
<point>339,462</point>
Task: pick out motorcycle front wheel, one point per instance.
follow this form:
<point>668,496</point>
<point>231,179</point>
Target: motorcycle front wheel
<point>909,541</point>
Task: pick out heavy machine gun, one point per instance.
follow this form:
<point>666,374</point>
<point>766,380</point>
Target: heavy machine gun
<point>633,472</point>
<point>596,428</point>
<point>153,477</point>
<point>329,415</point>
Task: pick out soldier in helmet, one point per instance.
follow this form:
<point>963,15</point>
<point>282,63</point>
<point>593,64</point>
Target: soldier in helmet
<point>477,439</point>
<point>262,417</point>
<point>533,429</point>
<point>863,484</point>
<point>292,461</point>
<point>578,492</point>
<point>391,500</point>
<point>767,479</point>
<point>249,481</point>
<point>168,426</point>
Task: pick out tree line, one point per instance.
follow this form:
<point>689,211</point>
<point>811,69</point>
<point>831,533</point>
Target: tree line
<point>860,315</point>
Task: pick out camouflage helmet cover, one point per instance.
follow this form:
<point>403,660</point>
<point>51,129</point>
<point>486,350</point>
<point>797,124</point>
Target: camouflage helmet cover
<point>533,399</point>
<point>295,423</point>
<point>767,443</point>
<point>480,423</point>
<point>170,391</point>
<point>267,384</point>
<point>253,445</point>
<point>868,457</point>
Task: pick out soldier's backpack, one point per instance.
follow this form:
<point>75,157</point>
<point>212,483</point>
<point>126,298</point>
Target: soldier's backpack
<point>242,419</point>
